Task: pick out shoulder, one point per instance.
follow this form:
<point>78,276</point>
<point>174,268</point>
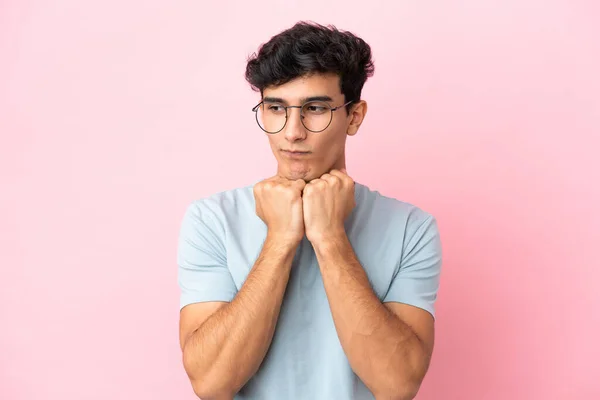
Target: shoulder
<point>390,210</point>
<point>215,209</point>
<point>392,220</point>
<point>225,202</point>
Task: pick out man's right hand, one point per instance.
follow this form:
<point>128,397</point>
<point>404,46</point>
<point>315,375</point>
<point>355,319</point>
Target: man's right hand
<point>214,333</point>
<point>279,205</point>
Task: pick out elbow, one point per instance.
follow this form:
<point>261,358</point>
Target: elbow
<point>406,393</point>
<point>204,384</point>
<point>404,382</point>
<point>201,391</point>
<point>399,390</point>
<point>206,391</point>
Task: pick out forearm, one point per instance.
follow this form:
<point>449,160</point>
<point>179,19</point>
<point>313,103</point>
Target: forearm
<point>383,351</point>
<point>227,349</point>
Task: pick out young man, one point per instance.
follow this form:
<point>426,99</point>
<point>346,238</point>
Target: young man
<point>308,285</point>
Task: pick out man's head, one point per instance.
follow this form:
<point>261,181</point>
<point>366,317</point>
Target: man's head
<point>316,64</point>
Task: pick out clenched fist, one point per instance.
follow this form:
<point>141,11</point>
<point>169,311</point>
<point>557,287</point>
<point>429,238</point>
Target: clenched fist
<point>279,205</point>
<point>327,202</point>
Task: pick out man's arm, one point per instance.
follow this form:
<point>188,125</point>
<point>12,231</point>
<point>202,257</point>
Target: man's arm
<point>225,339</point>
<point>389,346</point>
<point>222,352</point>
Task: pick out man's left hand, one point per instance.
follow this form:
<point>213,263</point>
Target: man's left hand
<point>327,202</point>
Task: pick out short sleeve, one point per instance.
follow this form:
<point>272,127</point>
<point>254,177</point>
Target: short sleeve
<point>201,257</point>
<point>417,279</point>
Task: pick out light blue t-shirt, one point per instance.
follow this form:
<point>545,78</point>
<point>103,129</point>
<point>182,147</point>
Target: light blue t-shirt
<point>397,244</point>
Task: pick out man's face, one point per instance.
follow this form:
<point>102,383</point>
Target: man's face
<point>300,153</point>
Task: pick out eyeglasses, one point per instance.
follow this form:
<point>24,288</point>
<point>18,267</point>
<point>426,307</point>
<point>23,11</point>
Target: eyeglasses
<point>316,116</point>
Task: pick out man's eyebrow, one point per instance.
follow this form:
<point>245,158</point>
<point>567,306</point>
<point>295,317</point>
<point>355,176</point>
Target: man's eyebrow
<point>273,100</point>
<point>316,98</point>
<point>269,99</point>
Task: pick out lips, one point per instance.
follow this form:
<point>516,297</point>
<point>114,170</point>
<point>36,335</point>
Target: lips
<point>291,153</point>
<point>295,151</point>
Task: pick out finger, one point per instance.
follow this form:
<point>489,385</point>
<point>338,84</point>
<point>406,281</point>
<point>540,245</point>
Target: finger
<point>299,183</point>
<point>331,179</point>
<point>277,178</point>
<point>314,182</point>
<point>340,174</point>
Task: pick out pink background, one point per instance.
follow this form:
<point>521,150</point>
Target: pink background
<point>114,115</point>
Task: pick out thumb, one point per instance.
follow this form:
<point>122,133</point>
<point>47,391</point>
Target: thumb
<point>300,183</point>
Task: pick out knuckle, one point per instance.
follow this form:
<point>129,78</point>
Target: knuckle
<point>269,185</point>
<point>286,191</point>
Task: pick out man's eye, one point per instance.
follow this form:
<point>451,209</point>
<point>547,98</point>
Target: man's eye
<point>275,108</point>
<point>315,110</point>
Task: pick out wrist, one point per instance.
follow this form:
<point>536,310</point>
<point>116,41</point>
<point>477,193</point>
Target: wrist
<point>282,243</point>
<point>327,241</point>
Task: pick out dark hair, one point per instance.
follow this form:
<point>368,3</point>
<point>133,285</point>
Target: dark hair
<point>308,48</point>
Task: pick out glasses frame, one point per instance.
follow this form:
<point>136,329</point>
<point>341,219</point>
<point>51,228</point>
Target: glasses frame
<point>255,110</point>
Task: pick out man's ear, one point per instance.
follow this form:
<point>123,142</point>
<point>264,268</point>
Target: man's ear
<point>356,116</point>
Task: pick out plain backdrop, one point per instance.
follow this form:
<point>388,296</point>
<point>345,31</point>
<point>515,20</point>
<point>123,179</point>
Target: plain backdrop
<point>115,115</point>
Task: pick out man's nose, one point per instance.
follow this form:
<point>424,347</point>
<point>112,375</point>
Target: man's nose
<point>294,129</point>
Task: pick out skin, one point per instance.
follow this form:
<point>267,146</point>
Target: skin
<point>327,148</point>
<point>388,345</point>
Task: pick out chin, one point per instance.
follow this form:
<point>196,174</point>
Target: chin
<point>298,173</point>
<point>301,171</point>
<point>294,175</point>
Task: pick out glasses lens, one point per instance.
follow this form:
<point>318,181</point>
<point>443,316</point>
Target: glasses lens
<point>271,117</point>
<point>316,116</point>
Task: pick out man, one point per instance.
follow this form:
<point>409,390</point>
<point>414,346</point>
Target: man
<point>308,285</point>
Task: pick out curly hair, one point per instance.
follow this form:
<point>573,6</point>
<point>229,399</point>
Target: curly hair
<point>308,48</point>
